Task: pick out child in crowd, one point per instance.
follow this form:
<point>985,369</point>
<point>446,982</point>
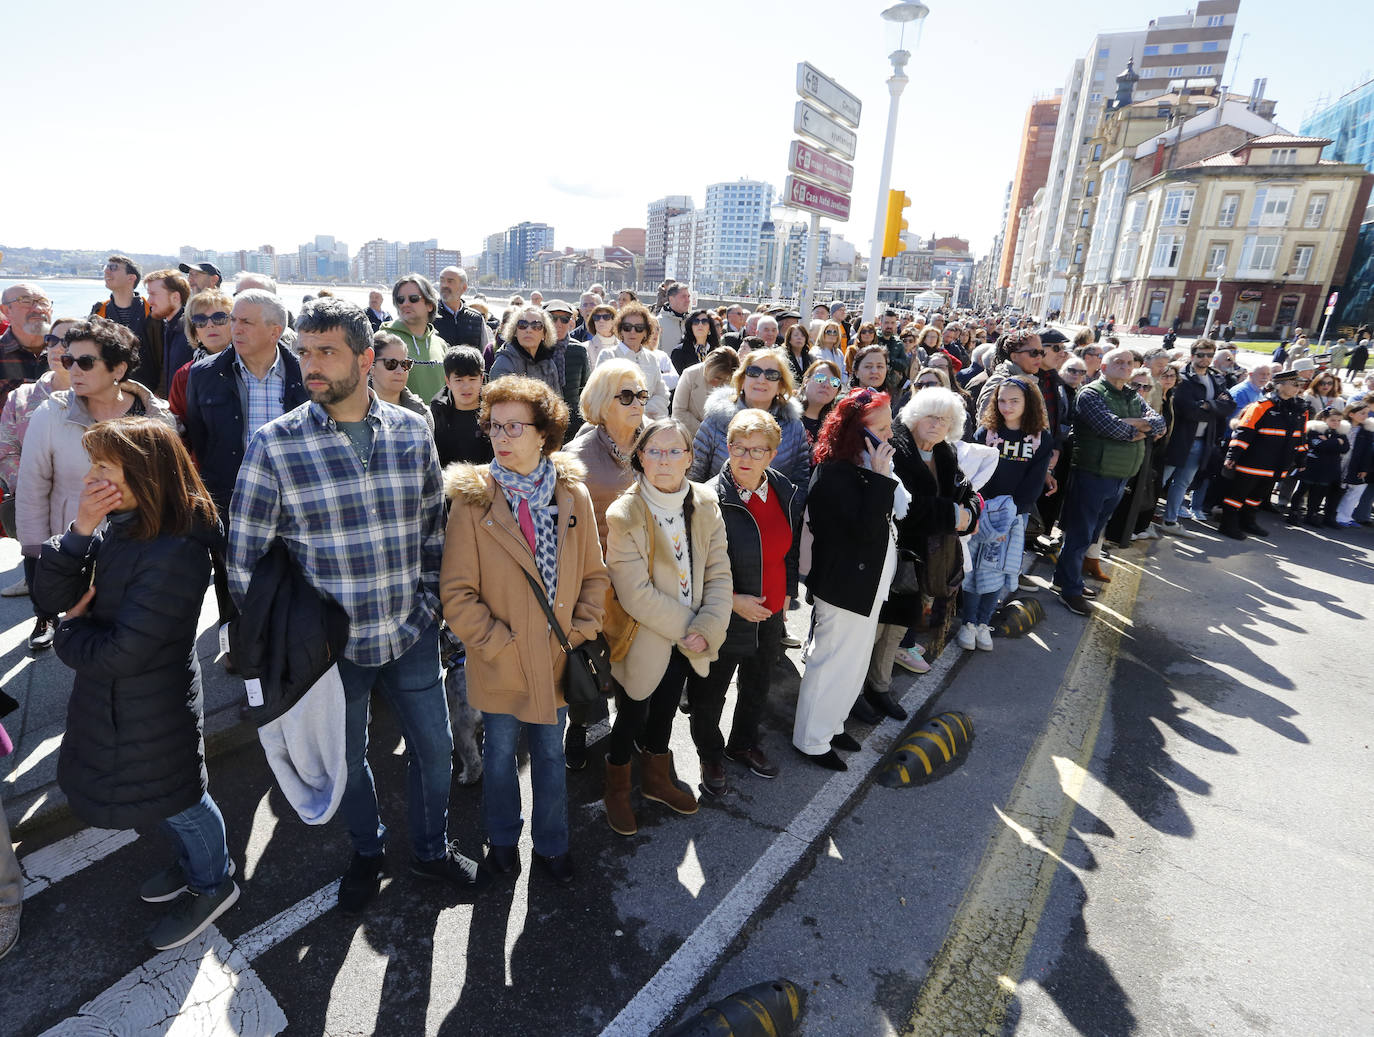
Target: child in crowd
<point>1359,463</point>
<point>455,407</point>
<point>1321,473</point>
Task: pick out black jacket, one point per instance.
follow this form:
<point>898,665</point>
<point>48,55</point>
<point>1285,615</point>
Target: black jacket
<point>930,515</point>
<point>456,434</point>
<point>849,508</point>
<point>1191,409</point>
<point>214,417</point>
<point>133,752</point>
<point>463,328</point>
<point>746,549</point>
<point>286,635</point>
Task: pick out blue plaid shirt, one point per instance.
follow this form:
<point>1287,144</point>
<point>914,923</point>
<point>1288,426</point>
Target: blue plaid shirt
<point>262,399</point>
<point>370,538</point>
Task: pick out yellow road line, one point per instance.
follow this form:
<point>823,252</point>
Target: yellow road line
<point>975,974</point>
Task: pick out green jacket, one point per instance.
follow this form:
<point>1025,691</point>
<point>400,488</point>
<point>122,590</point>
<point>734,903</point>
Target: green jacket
<point>427,376</point>
<point>1099,455</point>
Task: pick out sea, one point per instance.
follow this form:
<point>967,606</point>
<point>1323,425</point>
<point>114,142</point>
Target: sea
<point>74,296</point>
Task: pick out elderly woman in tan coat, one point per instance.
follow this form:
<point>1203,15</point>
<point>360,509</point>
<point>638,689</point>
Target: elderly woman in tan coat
<point>670,565</point>
<point>525,515</point>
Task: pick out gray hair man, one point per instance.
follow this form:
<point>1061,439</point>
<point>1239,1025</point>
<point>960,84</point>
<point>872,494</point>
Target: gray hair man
<point>457,323</point>
<point>22,359</point>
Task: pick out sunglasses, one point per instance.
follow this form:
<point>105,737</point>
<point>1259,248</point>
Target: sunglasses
<point>929,385</point>
<point>758,453</point>
<point>1204,356</point>
<point>86,363</point>
<point>603,316</point>
<point>510,429</point>
<point>628,397</point>
<point>219,318</point>
<point>391,363</point>
<point>562,318</point>
<point>407,298</point>
<point>771,374</point>
<point>525,325</point>
<point>672,454</point>
<point>1140,387</point>
<point>1031,352</point>
<point>822,379</point>
<point>52,340</point>
<point>701,320</point>
<point>638,329</point>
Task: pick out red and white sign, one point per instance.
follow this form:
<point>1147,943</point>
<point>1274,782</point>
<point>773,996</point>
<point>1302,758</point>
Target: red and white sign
<point>815,164</point>
<point>802,195</point>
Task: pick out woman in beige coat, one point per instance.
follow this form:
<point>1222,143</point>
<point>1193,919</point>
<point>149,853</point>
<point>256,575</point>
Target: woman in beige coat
<point>670,565</point>
<point>525,514</point>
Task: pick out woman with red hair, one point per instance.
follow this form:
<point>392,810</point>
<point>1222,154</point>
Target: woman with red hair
<point>853,500</point>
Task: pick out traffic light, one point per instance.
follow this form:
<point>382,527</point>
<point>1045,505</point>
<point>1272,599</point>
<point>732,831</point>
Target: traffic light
<point>895,225</point>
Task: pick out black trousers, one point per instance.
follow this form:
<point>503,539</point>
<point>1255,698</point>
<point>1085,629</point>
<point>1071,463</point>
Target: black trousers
<point>1323,497</point>
<point>707,694</point>
<point>1241,492</point>
<point>648,722</point>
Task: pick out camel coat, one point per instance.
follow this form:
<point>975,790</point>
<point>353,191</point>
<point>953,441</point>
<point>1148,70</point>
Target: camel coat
<point>515,664</point>
<point>653,598</point>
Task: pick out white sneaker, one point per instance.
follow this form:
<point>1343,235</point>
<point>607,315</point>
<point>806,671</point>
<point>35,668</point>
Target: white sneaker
<point>1201,515</point>
<point>1178,529</point>
<point>983,637</point>
<point>967,638</point>
<point>16,590</point>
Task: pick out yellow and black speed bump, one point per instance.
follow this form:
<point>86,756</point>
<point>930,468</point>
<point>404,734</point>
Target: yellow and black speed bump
<point>1015,618</point>
<point>937,746</point>
<point>763,1010</point>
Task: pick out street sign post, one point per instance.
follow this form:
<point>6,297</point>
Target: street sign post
<point>800,194</point>
<point>1330,309</point>
<point>817,165</point>
<point>814,85</point>
<point>1214,301</point>
<point>810,121</point>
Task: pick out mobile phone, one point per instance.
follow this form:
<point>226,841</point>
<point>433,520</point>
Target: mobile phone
<point>872,439</point>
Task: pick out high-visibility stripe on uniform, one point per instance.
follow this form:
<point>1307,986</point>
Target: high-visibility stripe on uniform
<point>1272,431</point>
<point>1255,471</point>
<point>1231,503</point>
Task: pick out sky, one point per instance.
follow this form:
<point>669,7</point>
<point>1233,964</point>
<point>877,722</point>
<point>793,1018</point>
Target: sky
<point>149,127</point>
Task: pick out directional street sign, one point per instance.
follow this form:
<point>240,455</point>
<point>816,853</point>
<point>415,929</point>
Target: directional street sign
<point>821,167</point>
<point>802,195</point>
<point>828,93</point>
<point>811,122</point>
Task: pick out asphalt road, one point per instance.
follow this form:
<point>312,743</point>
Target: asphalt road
<point>1160,828</point>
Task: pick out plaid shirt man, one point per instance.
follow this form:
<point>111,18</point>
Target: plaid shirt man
<point>371,537</point>
<point>261,399</point>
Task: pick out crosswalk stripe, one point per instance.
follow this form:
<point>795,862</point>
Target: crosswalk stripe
<point>64,858</point>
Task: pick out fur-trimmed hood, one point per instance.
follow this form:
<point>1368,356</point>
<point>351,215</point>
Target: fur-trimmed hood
<point>725,403</point>
<point>1323,427</point>
<point>474,484</point>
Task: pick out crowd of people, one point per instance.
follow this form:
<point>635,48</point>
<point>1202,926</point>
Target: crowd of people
<point>665,479</point>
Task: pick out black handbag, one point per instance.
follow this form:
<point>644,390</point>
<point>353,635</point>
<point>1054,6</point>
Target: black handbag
<point>907,579</point>
<point>589,677</point>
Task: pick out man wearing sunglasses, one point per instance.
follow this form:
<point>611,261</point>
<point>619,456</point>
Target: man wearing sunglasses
<point>570,357</point>
<point>29,313</point>
<point>416,302</point>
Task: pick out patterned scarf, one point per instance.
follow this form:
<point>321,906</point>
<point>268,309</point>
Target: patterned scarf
<point>531,501</point>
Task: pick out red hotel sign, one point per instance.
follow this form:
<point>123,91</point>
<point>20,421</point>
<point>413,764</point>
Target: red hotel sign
<point>802,195</point>
<point>817,165</point>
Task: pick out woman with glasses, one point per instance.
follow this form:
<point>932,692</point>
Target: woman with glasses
<point>697,384</point>
<point>797,346</point>
<point>1019,354</point>
<point>207,331</point>
<point>867,335</point>
<point>635,330</point>
<point>601,323</point>
<point>668,560</point>
<point>98,355</point>
<point>699,339</point>
<point>827,338</point>
<point>529,337</point>
<point>762,511</point>
<point>764,382</point>
<point>821,385</point>
<point>520,526</point>
<point>390,370</point>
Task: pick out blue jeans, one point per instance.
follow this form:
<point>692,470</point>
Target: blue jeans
<point>978,608</point>
<point>414,688</point>
<point>501,782</point>
<point>1181,478</point>
<point>199,832</point>
<point>1087,509</point>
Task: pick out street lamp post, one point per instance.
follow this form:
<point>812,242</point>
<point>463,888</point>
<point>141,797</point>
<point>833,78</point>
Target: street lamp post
<point>1212,310</point>
<point>901,13</point>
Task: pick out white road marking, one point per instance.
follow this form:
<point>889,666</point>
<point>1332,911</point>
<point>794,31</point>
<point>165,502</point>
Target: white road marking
<point>259,941</point>
<point>64,858</point>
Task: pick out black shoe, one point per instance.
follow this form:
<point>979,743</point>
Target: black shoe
<point>455,869</point>
<point>502,860</point>
<point>844,740</point>
<point>1231,529</point>
<point>1253,528</point>
<point>864,713</point>
<point>1076,603</point>
<point>360,882</point>
<point>575,747</point>
<point>829,760</point>
<point>713,780</point>
<point>754,758</point>
<point>885,702</point>
<point>41,638</point>
<point>1089,593</point>
<point>559,867</point>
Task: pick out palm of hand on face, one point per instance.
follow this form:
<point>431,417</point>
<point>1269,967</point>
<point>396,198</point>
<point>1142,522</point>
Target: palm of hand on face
<point>98,499</point>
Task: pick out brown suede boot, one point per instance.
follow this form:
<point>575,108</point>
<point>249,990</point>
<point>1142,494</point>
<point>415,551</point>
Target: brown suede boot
<point>656,783</point>
<point>1093,567</point>
<point>619,814</point>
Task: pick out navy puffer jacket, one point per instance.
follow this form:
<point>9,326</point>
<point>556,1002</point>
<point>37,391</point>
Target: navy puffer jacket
<point>710,450</point>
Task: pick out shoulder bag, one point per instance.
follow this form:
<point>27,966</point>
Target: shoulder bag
<point>589,677</point>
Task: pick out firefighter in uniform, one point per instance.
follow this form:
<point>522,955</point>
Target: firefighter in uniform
<point>1268,441</point>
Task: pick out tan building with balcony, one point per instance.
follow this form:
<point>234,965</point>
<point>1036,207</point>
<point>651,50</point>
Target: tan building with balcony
<point>1271,214</point>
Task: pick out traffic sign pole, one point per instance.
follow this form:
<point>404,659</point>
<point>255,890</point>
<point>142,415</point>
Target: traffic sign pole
<point>895,85</point>
<point>809,276</point>
<point>1330,308</point>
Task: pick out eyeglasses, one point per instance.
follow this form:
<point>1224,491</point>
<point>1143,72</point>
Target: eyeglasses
<point>408,298</point>
<point>1092,352</point>
<point>653,453</point>
<point>52,340</point>
<point>628,397</point>
<point>1140,386</point>
<point>525,325</point>
<point>638,329</point>
<point>701,320</point>
<point>31,301</point>
<point>393,362</point>
<point>562,318</point>
<point>1031,352</point>
<point>831,331</point>
<point>86,363</point>
<point>930,385</point>
<point>509,429</point>
<point>822,379</point>
<point>758,453</point>
<point>771,374</point>
<point>219,318</point>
